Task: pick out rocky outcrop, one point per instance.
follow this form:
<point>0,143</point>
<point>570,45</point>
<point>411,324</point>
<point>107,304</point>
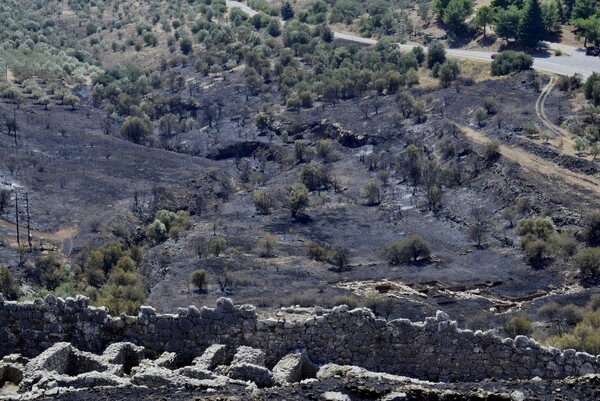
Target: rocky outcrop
<point>436,349</point>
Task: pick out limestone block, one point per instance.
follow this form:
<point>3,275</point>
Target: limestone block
<point>213,356</point>
<point>291,368</point>
<point>254,373</point>
<point>249,355</point>
<point>334,396</point>
<point>123,354</point>
<point>167,360</point>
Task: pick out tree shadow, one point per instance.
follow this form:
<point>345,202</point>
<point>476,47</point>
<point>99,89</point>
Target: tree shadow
<point>302,219</point>
<point>487,41</point>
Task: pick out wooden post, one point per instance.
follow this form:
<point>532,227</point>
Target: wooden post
<point>28,225</point>
<point>15,126</point>
<point>17,216</point>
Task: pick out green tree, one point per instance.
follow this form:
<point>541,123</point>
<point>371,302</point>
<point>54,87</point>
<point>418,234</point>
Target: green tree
<point>439,6</point>
<point>186,45</point>
<point>531,27</point>
<point>540,228</point>
<point>591,88</point>
<point>198,278</point>
<point>551,18</point>
<point>436,53</point>
<point>262,122</point>
<point>591,230</point>
<point>412,248</point>
<point>263,202</point>
<point>136,129</point>
<point>588,29</point>
<point>588,263</point>
<point>583,9</point>
<point>298,199</point>
<point>287,11</point>
<point>448,72</point>
<point>71,100</point>
<point>52,272</point>
<point>506,22</point>
<point>315,176</point>
<point>456,13</point>
<point>535,235</point>
<point>484,17</point>
<point>274,28</point>
<point>157,231</point>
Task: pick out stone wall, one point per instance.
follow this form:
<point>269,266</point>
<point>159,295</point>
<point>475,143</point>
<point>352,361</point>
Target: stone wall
<point>435,349</point>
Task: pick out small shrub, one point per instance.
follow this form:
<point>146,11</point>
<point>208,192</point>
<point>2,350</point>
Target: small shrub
<point>381,305</point>
<point>480,115</point>
<point>339,258</point>
<point>591,231</point>
<point>591,88</point>
<point>266,245</point>
<point>491,150</point>
<point>156,231</point>
<point>316,251</point>
<point>585,336</point>
<point>315,176</point>
<point>263,202</point>
<point>511,61</point>
<point>198,278</point>
<point>372,193</point>
<point>588,263</point>
<point>52,272</point>
<point>9,286</point>
<point>490,105</point>
<point>531,130</point>
<point>518,326</point>
<point>535,252</point>
<point>566,83</point>
<point>217,246</point>
<point>324,147</point>
<point>563,244</point>
<point>298,199</point>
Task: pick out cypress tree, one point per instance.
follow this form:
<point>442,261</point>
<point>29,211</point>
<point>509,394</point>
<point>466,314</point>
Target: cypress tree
<point>531,28</point>
<point>287,11</point>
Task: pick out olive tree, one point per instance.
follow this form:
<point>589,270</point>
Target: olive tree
<point>412,248</point>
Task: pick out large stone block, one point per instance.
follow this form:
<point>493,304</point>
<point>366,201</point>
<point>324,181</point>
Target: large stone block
<point>293,367</point>
<point>213,356</point>
<point>254,373</point>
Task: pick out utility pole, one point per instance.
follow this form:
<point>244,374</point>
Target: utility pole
<point>28,225</point>
<point>15,126</point>
<point>17,216</point>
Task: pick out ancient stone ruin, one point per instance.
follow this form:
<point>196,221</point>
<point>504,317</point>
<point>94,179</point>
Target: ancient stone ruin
<point>54,345</point>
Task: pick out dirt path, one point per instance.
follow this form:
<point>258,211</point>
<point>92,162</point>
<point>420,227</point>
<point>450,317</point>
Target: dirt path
<point>561,136</point>
<point>9,75</point>
<point>558,178</point>
<point>58,236</point>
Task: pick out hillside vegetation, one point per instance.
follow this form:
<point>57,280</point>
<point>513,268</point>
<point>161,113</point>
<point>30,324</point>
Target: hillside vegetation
<point>174,152</point>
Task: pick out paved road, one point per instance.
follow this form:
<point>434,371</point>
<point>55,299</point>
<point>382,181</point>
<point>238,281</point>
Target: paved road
<point>571,62</point>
